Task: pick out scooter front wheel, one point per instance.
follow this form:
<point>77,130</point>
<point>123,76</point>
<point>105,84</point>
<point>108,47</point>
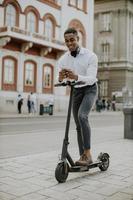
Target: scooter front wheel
<point>104,157</point>
<point>61,172</point>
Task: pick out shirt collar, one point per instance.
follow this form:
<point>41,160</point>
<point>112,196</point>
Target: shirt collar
<point>81,51</point>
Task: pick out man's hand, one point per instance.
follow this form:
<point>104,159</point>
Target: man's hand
<point>66,73</point>
<point>62,75</point>
<point>71,75</point>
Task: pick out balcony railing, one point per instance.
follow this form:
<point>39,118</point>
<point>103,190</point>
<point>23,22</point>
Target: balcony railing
<point>31,35</point>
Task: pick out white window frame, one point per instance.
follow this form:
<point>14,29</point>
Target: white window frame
<point>9,69</point>
<point>106,52</point>
<point>104,88</point>
<point>31,22</point>
<point>47,77</point>
<point>80,4</point>
<point>29,74</point>
<point>10,15</point>
<point>106,21</point>
<point>48,29</point>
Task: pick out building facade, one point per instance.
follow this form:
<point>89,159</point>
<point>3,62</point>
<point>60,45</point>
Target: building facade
<point>113,43</point>
<point>31,41</point>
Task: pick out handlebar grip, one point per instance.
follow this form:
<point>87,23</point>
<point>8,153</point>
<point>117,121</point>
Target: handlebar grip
<point>73,83</point>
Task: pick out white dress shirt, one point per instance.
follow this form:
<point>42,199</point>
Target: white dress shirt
<point>85,65</point>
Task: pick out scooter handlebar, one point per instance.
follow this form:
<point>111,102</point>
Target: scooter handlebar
<point>70,83</point>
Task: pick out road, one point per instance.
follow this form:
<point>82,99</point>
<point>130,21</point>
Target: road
<point>24,136</point>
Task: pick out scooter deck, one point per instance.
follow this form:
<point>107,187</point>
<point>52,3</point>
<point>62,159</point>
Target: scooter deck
<point>79,168</point>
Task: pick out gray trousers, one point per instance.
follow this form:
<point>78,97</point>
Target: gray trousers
<point>83,100</point>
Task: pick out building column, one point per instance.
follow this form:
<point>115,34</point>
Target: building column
<point>39,76</point>
<point>20,79</point>
<point>1,54</point>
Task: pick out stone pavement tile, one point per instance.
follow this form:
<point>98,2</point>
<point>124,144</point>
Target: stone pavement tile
<point>129,179</point>
<point>5,196</point>
<point>22,169</point>
<point>96,174</point>
<point>32,196</point>
<point>42,181</point>
<point>5,173</point>
<point>14,164</point>
<point>88,188</point>
<point>85,195</point>
<point>123,173</point>
<point>116,182</point>
<point>120,196</point>
<point>128,190</point>
<point>108,190</point>
<point>23,175</point>
<point>47,172</point>
<point>57,194</point>
<point>11,181</point>
<point>4,187</point>
<point>70,184</point>
<point>20,191</point>
<point>93,183</point>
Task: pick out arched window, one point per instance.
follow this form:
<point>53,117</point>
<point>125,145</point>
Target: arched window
<point>9,75</point>
<point>31,22</point>
<point>47,78</point>
<point>81,31</point>
<point>48,29</point>
<point>10,15</point>
<point>49,26</point>
<point>29,76</point>
<point>9,66</point>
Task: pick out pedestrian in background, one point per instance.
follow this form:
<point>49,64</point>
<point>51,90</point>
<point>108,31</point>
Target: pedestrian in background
<point>19,103</point>
<point>33,100</point>
<point>29,104</point>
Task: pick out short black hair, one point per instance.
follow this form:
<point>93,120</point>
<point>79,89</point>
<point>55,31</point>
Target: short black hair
<point>71,30</point>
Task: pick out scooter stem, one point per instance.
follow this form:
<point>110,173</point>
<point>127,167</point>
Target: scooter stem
<point>66,139</point>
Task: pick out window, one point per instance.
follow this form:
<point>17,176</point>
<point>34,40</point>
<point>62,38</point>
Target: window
<point>104,88</point>
<point>10,15</point>
<point>29,74</point>
<point>48,29</point>
<point>9,73</point>
<point>105,52</point>
<point>106,22</point>
<point>48,79</point>
<point>73,2</point>
<point>9,69</point>
<point>31,22</point>
<point>80,4</point>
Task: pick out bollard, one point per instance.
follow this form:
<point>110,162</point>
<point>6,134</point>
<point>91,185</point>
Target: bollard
<point>128,122</point>
<point>41,109</point>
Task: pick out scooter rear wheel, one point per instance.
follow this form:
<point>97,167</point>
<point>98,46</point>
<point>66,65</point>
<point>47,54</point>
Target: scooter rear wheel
<point>104,157</point>
<point>61,172</point>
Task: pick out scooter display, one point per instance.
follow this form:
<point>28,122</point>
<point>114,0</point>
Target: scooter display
<point>66,163</point>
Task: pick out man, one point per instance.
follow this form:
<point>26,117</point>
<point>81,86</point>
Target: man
<point>80,64</point>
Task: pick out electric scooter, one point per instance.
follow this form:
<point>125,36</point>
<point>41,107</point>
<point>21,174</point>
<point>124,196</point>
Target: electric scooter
<point>66,163</point>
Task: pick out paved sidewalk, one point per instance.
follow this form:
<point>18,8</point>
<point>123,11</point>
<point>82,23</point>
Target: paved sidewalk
<point>31,177</point>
